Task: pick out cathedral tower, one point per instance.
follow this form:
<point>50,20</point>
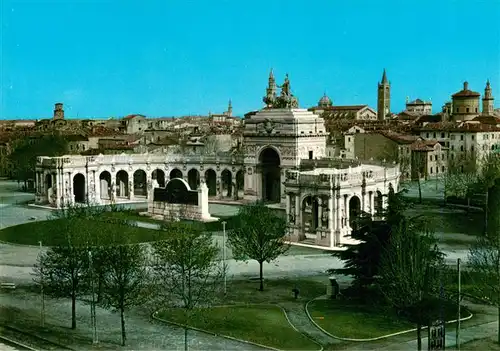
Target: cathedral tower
<point>271,90</point>
<point>58,111</point>
<point>230,109</point>
<point>383,98</point>
<point>488,100</point>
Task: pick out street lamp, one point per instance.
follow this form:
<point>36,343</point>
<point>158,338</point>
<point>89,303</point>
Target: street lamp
<point>224,254</point>
<point>42,313</point>
<point>93,319</point>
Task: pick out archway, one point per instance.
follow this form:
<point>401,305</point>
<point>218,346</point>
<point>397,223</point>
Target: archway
<point>269,162</point>
<point>159,175</point>
<point>105,185</point>
<point>140,187</point>
<point>175,173</point>
<point>354,211</point>
<point>227,183</point>
<point>211,182</point>
<point>122,189</point>
<point>378,203</point>
<point>193,178</point>
<point>79,187</point>
<point>240,184</point>
<point>310,220</point>
<point>48,181</point>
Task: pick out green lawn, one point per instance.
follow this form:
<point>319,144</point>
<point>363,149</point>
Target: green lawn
<point>53,232</point>
<point>266,325</point>
<point>349,320</point>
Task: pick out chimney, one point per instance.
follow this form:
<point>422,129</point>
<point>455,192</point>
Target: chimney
<point>466,86</point>
<point>58,111</point>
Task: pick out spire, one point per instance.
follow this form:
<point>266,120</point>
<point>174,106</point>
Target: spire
<point>384,78</point>
<point>229,108</point>
<point>271,75</point>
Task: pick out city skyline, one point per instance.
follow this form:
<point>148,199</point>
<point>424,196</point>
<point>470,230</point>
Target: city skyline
<point>110,59</point>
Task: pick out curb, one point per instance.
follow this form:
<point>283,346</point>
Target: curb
<point>370,339</point>
<point>17,343</point>
<point>298,331</point>
<point>212,333</point>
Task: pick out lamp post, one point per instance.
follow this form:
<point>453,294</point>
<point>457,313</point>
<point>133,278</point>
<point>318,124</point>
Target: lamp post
<point>224,254</point>
<point>42,313</point>
<point>93,319</point>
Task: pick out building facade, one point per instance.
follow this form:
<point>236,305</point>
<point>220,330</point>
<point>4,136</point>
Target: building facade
<point>282,161</point>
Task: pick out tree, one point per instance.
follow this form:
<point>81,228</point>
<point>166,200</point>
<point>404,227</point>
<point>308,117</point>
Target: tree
<point>125,281</point>
<point>187,267</point>
<point>484,255</point>
<point>26,150</point>
<point>409,277</point>
<point>61,269</point>
<point>362,260</point>
<point>259,234</point>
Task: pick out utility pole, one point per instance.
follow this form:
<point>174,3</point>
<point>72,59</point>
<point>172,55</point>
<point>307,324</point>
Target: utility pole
<point>459,298</point>
<point>93,319</point>
<point>224,254</point>
<point>42,313</point>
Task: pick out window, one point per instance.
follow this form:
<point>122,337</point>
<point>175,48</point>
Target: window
<point>461,137</point>
<point>442,156</point>
<point>427,135</point>
<point>349,139</point>
<point>457,110</point>
<point>472,148</point>
<point>476,109</point>
<point>442,169</point>
<point>467,109</point>
<point>434,136</point>
<point>492,147</point>
<point>431,170</point>
<point>453,147</point>
<point>310,155</point>
<point>461,148</point>
<point>442,135</point>
<point>430,158</point>
<point>472,137</point>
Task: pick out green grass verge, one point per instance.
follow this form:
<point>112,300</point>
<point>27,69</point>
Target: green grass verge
<point>53,232</point>
<point>265,325</point>
<point>348,320</point>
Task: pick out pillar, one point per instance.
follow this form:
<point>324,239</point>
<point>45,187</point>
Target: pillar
<point>331,224</point>
<point>372,203</point>
<point>346,209</point>
<point>320,212</point>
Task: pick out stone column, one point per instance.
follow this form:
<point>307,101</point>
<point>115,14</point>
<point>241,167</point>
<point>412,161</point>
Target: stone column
<point>59,183</point>
<point>320,212</point>
<point>298,211</point>
<point>346,209</point>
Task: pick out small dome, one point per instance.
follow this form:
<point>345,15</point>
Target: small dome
<point>325,101</point>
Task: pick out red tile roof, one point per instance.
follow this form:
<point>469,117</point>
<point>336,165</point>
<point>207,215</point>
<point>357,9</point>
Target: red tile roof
<point>398,137</point>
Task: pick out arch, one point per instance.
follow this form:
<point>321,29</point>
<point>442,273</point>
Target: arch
<point>270,167</point>
<point>48,181</point>
<point>193,178</point>
<point>354,210</point>
<point>175,173</point>
<point>122,189</point>
<point>159,176</point>
<point>140,186</point>
<point>310,212</point>
<point>227,182</point>
<point>79,187</point>
<point>240,184</point>
<point>105,185</point>
<point>211,181</point>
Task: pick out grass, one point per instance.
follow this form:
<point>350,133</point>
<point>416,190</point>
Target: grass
<point>53,232</point>
<point>266,325</point>
<point>350,320</point>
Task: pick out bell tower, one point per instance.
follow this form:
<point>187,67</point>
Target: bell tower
<point>383,98</point>
<point>488,100</point>
<point>58,111</point>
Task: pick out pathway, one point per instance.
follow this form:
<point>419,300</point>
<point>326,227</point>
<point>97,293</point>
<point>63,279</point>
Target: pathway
<point>298,317</point>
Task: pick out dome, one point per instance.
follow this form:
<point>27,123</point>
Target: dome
<point>325,101</point>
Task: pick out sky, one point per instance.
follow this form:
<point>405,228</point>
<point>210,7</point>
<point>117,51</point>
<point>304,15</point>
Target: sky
<point>111,58</point>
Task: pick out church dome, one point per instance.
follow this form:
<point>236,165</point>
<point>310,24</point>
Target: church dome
<point>325,101</point>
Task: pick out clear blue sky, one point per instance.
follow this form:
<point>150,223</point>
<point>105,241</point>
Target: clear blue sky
<point>105,58</point>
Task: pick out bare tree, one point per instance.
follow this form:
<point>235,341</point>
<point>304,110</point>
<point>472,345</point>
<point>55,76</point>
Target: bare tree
<point>187,268</point>
<point>259,234</point>
<point>126,279</point>
<point>409,271</point>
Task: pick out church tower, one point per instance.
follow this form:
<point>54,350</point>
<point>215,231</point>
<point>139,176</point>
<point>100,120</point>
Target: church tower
<point>229,109</point>
<point>271,90</point>
<point>58,111</point>
<point>488,100</point>
<point>383,98</point>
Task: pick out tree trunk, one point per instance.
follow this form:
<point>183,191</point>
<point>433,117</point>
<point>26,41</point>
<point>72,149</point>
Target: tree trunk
<point>261,276</point>
<point>73,310</point>
<point>99,288</point>
<point>486,214</point>
<point>419,190</point>
<point>468,204</point>
<point>419,336</point>
<point>185,339</point>
<point>124,336</point>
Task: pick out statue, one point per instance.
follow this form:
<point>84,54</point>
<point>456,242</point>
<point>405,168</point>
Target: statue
<point>285,88</point>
